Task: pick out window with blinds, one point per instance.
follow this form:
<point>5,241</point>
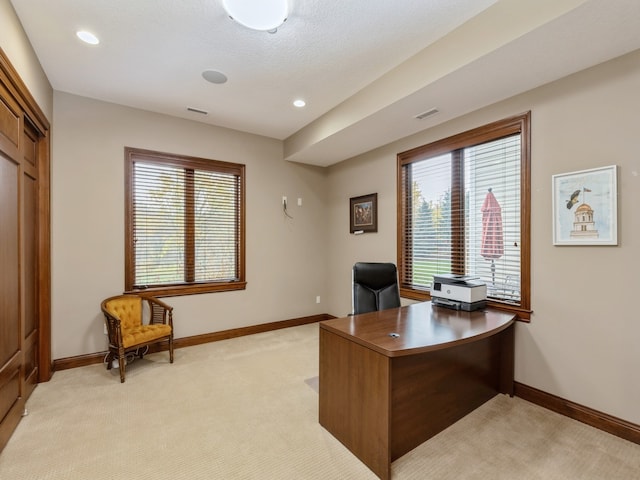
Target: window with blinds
<point>184,224</point>
<point>464,208</point>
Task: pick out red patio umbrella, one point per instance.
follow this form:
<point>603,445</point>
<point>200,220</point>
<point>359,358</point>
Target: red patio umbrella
<point>492,243</point>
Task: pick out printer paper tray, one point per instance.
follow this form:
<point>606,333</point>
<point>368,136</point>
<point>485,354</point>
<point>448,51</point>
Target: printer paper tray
<point>466,306</point>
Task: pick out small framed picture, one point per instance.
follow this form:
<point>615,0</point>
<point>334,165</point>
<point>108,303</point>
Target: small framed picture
<point>585,208</point>
<point>363,213</point>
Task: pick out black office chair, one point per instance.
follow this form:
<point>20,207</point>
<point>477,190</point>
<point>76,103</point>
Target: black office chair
<point>375,287</point>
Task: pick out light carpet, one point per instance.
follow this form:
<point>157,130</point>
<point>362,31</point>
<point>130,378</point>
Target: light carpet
<point>243,409</point>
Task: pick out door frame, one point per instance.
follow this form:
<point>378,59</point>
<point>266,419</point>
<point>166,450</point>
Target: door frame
<point>33,114</point>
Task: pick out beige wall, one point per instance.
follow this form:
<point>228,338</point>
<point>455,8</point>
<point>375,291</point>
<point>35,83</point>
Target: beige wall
<point>17,47</point>
<point>582,342</point>
<point>285,258</point>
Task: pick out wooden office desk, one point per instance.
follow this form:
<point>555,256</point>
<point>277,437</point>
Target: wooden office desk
<point>382,395</point>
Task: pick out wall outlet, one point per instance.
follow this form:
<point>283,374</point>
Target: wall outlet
<point>284,201</point>
<point>299,201</point>
<point>318,299</point>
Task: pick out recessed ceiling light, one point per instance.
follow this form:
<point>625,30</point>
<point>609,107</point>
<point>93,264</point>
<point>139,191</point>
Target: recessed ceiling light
<point>214,76</point>
<point>299,103</point>
<point>87,37</point>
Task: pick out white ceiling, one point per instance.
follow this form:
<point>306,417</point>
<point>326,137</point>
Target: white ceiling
<point>335,54</point>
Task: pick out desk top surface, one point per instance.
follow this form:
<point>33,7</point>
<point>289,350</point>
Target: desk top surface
<point>418,328</point>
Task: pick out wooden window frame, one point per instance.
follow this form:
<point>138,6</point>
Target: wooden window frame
<point>190,286</point>
<point>513,125</point>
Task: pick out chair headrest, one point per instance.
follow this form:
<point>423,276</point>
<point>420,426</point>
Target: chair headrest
<point>375,275</point>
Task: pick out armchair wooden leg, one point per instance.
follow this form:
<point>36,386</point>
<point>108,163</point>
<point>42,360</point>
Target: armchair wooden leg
<point>121,364</point>
<point>171,349</point>
<point>109,360</point>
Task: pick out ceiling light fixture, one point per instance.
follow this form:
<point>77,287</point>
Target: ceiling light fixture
<point>264,15</point>
<point>87,37</point>
<point>299,103</point>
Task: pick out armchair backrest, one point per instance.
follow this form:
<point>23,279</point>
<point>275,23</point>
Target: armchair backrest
<point>375,287</point>
<point>126,308</point>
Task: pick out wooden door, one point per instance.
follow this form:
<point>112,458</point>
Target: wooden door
<point>11,355</point>
<point>24,250</point>
<point>29,256</point>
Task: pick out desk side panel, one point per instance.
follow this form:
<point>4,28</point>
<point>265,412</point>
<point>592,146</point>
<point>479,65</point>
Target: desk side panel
<point>432,391</point>
<point>354,399</point>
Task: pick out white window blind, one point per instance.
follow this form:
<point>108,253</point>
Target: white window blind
<point>492,233</point>
<point>158,225</point>
<point>216,226</point>
<point>429,230</point>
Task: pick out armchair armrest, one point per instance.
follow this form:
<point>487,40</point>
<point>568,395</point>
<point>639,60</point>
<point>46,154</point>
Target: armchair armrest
<point>114,329</point>
<point>160,312</point>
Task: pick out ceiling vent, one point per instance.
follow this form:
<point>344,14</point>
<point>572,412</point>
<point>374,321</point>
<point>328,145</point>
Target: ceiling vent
<point>197,110</point>
<point>428,113</point>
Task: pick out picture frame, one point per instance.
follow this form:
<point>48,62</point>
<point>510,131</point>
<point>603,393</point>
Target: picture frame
<point>363,213</point>
<point>585,207</point>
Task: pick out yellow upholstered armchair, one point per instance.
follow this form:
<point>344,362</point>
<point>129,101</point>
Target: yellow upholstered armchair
<point>131,327</point>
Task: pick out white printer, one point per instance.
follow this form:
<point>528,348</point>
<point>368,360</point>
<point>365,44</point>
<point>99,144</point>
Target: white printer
<point>460,292</point>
